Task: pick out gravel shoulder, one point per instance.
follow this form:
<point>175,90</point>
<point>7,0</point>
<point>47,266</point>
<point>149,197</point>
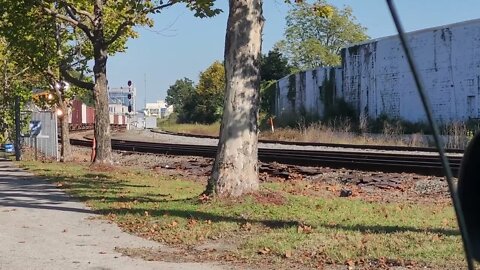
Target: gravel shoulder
<point>43,228</point>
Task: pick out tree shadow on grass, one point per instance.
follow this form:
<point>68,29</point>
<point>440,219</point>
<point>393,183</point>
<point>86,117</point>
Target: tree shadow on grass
<point>389,229</point>
<point>273,224</point>
<point>276,223</point>
<point>91,182</point>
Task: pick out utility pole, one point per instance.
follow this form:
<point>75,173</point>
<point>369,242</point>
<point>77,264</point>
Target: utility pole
<point>18,154</point>
<point>145,78</point>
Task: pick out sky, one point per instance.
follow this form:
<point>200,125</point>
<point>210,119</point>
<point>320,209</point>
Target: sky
<point>180,45</point>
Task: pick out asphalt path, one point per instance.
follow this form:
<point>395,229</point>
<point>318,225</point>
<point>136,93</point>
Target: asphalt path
<point>41,227</point>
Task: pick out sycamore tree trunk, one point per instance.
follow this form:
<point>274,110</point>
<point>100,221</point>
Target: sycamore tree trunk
<point>65,151</point>
<point>235,171</point>
<point>102,120</point>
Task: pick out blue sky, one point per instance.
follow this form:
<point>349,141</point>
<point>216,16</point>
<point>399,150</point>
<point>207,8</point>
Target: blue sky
<point>181,45</point>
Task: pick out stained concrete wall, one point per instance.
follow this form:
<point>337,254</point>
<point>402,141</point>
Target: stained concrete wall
<point>375,78</point>
<point>307,92</point>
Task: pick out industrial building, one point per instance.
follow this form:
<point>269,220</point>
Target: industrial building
<point>158,109</point>
<point>375,79</point>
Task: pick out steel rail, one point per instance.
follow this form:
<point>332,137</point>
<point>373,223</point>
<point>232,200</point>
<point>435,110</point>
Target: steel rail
<point>421,164</point>
<point>340,145</point>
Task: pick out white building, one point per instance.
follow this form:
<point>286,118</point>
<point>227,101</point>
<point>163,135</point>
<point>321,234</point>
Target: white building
<point>158,109</point>
<point>117,109</point>
<point>125,96</point>
<point>375,78</point>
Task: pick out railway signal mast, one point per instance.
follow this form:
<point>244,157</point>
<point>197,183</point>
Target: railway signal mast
<point>130,107</point>
<point>129,96</point>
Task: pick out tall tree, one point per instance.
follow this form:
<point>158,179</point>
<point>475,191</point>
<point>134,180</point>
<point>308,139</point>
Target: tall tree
<point>104,27</point>
<point>274,66</point>
<point>210,91</point>
<point>178,93</point>
<point>15,79</point>
<point>315,35</point>
<point>202,103</point>
<point>235,170</point>
<point>43,45</point>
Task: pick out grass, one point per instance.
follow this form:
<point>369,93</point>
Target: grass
<point>197,129</point>
<point>313,133</point>
<point>272,227</point>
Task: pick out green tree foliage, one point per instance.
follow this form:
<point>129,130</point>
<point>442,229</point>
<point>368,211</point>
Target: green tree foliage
<point>15,81</point>
<point>99,28</point>
<point>273,67</point>
<point>201,103</point>
<point>315,34</point>
<point>210,91</point>
<point>178,95</point>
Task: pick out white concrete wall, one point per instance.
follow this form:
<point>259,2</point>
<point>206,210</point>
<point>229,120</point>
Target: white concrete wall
<point>376,78</point>
<point>308,91</point>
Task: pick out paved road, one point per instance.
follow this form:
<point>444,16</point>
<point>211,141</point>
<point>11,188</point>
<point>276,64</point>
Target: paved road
<point>43,228</point>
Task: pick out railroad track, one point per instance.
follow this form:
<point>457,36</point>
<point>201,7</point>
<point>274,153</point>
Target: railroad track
<point>420,164</point>
<point>352,146</point>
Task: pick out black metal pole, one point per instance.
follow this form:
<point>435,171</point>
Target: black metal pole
<point>36,148</point>
<point>18,154</point>
<point>436,134</point>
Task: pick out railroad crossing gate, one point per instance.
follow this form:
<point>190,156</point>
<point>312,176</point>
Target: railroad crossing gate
<point>43,133</point>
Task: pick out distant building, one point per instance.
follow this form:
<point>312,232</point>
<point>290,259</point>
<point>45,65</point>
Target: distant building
<point>158,109</point>
<point>117,108</point>
<point>119,96</point>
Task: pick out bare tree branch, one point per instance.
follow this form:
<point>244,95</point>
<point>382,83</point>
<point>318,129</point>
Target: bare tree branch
<point>20,72</point>
<point>119,32</point>
<point>131,21</point>
<point>71,21</point>
<point>76,10</point>
<point>78,82</point>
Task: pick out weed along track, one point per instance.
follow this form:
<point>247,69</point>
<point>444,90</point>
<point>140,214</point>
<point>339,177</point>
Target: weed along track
<point>369,161</point>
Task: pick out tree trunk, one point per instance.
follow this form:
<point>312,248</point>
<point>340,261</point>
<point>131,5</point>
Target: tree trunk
<point>65,152</point>
<point>102,119</point>
<point>235,171</point>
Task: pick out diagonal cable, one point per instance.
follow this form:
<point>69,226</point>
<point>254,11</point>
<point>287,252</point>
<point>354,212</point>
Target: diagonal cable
<point>441,151</point>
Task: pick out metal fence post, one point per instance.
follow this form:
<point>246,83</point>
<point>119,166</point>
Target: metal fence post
<point>18,154</point>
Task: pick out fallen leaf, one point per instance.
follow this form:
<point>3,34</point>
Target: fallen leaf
<point>304,229</point>
<point>192,222</point>
<point>173,224</point>
<point>246,226</point>
<point>203,198</point>
<point>264,251</point>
